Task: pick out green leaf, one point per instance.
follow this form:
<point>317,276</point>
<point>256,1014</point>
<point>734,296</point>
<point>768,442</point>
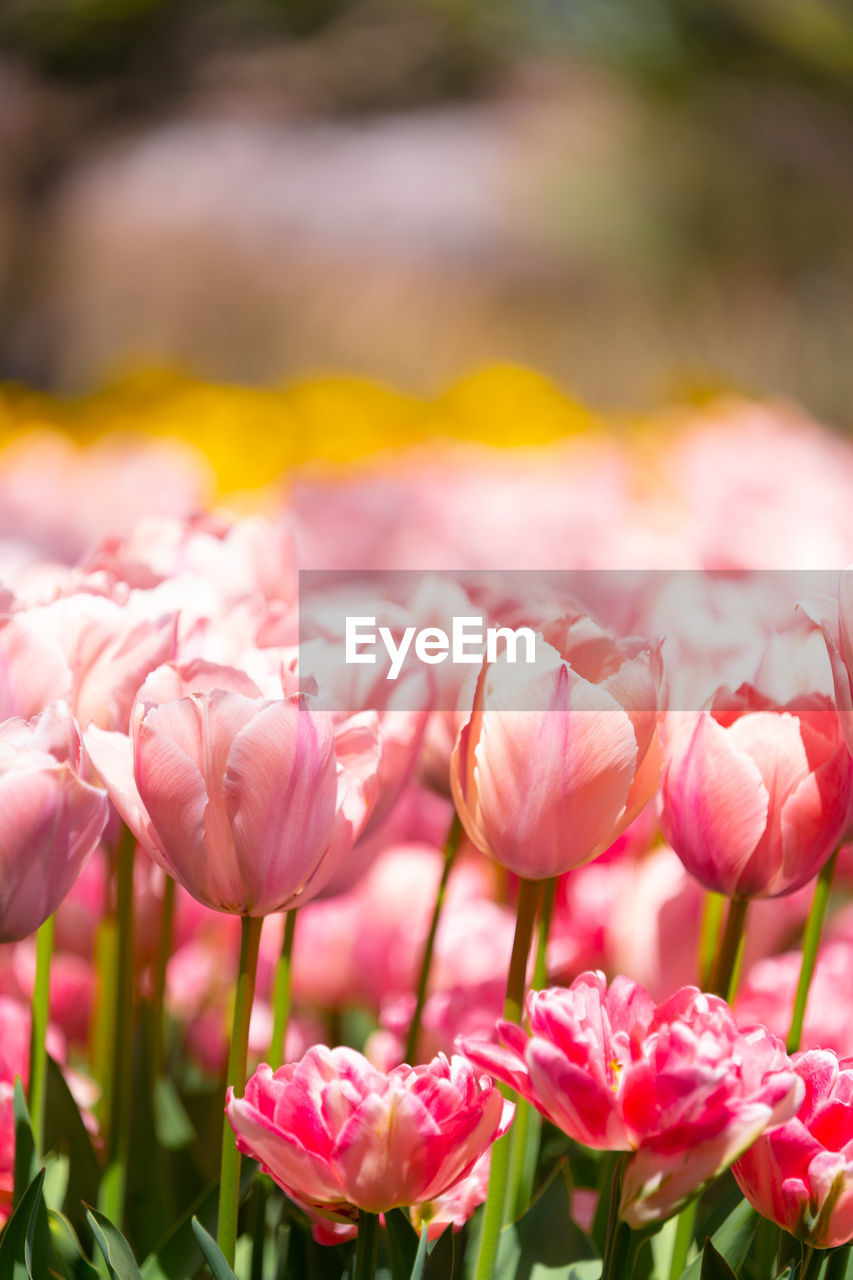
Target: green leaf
<point>26,1164</point>
<point>118,1254</point>
<point>66,1132</point>
<point>213,1255</point>
<point>840,1264</point>
<point>177,1254</point>
<point>733,1240</point>
<point>444,1258</point>
<point>420,1257</point>
<point>172,1125</point>
<point>714,1265</point>
<point>70,1257</point>
<point>401,1241</point>
<point>18,1242</point>
<point>544,1241</point>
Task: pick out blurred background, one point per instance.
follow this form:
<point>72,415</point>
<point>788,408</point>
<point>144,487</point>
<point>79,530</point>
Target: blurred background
<point>642,199</point>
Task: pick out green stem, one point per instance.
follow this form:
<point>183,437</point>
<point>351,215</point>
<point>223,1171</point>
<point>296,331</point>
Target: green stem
<point>229,1182</point>
<point>726,969</point>
<point>812,1263</point>
<point>709,938</point>
<point>121,1047</point>
<point>366,1246</point>
<point>811,942</point>
<point>685,1226</point>
<point>610,1269</point>
<point>493,1215</point>
<point>38,1036</point>
<point>838,1262</point>
<point>164,951</point>
<point>453,837</point>
<point>527,1126</point>
<point>282,993</point>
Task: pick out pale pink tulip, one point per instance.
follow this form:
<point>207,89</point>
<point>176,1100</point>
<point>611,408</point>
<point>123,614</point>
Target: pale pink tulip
<point>678,1084</point>
<point>50,818</point>
<point>340,1136</point>
<point>755,796</point>
<point>801,1174</point>
<point>767,995</point>
<point>557,758</point>
<point>249,803</point>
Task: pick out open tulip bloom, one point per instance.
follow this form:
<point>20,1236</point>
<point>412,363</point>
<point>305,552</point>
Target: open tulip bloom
<point>677,1086</point>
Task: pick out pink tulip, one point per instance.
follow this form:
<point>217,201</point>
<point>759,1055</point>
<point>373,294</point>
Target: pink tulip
<point>50,818</point>
<point>755,796</point>
<point>678,1084</point>
<point>556,759</point>
<point>249,803</point>
<point>801,1174</point>
<point>340,1136</point>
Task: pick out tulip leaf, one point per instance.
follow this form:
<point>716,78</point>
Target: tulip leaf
<point>401,1242</point>
<point>714,1265</point>
<point>177,1254</point>
<point>444,1260</point>
<point>66,1246</point>
<point>25,1243</point>
<point>213,1255</point>
<point>732,1241</point>
<point>118,1254</point>
<point>544,1241</point>
<point>26,1164</point>
<point>66,1132</point>
<point>421,1256</point>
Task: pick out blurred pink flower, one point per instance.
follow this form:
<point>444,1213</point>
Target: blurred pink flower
<point>52,818</point>
<point>676,1084</point>
<point>340,1136</point>
<point>800,1175</point>
<point>755,796</point>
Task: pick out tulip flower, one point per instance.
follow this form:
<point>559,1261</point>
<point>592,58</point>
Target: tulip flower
<point>249,803</point>
<point>52,818</point>
<point>557,758</point>
<point>800,1175</point>
<point>678,1085</point>
<point>340,1136</point>
<point>755,796</point>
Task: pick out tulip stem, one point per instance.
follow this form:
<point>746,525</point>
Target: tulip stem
<point>611,1266</point>
<point>493,1214</point>
<point>811,942</point>
<point>366,1246</point>
<point>527,1125</point>
<point>229,1182</point>
<point>684,1228</point>
<point>38,1036</point>
<point>724,979</point>
<point>282,993</point>
<point>120,1064</point>
<point>811,1263</point>
<point>450,848</point>
<point>164,951</point>
<point>709,938</point>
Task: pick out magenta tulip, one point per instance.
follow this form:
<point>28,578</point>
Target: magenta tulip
<point>801,1174</point>
<point>678,1085</point>
<point>339,1136</point>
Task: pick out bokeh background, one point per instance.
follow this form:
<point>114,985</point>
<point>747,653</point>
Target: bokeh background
<point>644,200</point>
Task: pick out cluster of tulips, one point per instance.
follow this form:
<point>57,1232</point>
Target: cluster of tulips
<point>498,969</point>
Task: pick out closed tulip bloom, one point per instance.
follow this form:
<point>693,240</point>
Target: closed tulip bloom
<point>558,757</point>
<point>755,796</point>
<point>250,803</point>
<point>340,1136</point>
<point>678,1084</point>
<point>50,818</point>
<point>801,1174</point>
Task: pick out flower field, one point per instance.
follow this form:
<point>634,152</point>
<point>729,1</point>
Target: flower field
<point>493,961</point>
